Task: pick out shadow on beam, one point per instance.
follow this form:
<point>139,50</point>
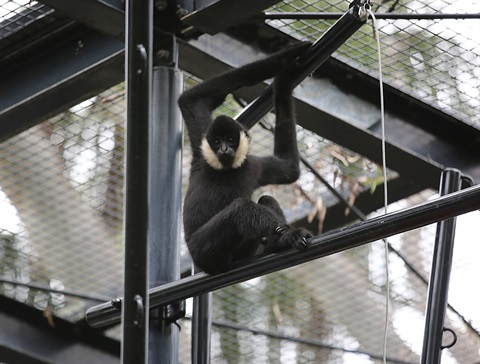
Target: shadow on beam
<point>323,245</point>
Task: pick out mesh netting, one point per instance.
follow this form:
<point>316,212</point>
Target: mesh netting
<point>62,249</point>
<point>436,60</point>
<point>61,213</point>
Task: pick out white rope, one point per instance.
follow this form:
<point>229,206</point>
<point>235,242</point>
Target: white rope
<point>384,167</point>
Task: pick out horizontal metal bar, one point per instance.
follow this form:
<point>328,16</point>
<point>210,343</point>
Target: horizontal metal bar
<point>47,289</point>
<point>392,16</point>
<point>320,246</point>
<point>302,340</point>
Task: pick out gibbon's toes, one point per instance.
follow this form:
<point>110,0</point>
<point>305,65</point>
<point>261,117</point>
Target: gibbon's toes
<point>280,230</point>
<point>300,242</point>
<point>297,238</point>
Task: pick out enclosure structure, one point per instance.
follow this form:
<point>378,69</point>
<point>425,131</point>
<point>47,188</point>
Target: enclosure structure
<point>62,178</point>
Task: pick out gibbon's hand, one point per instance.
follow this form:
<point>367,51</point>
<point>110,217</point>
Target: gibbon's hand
<point>282,59</point>
<point>283,83</point>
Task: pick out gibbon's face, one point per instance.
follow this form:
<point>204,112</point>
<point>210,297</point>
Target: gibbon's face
<point>226,144</point>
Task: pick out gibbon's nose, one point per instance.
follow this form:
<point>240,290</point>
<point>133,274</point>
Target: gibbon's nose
<point>224,148</point>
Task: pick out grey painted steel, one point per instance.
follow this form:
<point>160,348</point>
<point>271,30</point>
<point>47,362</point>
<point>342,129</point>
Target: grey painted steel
<point>437,300</point>
<point>94,14</point>
<point>201,328</point>
<point>27,338</point>
<point>139,63</point>
<point>323,245</point>
<point>67,74</point>
<point>165,197</point>
<point>214,17</point>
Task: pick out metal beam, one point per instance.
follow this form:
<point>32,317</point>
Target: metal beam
<point>437,300</point>
<point>107,16</point>
<point>223,14</point>
<point>72,69</point>
<point>165,193</point>
<point>407,107</point>
<point>320,246</point>
<point>139,72</point>
<point>27,337</point>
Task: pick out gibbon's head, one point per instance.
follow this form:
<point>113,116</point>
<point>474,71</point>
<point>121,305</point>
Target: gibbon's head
<point>226,144</point>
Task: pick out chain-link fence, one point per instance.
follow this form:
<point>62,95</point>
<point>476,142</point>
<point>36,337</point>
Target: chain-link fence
<point>61,216</point>
<point>62,249</point>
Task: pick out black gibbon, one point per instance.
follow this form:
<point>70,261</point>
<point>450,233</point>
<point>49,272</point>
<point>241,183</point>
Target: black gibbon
<point>221,222</point>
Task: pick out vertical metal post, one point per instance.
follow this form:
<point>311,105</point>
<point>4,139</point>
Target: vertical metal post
<point>139,26</point>
<point>437,300</point>
<point>165,194</point>
<point>201,328</point>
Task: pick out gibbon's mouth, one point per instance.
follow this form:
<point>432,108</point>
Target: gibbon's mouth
<point>226,159</point>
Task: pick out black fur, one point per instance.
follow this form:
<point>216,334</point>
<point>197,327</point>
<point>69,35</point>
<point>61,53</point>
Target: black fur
<point>221,223</point>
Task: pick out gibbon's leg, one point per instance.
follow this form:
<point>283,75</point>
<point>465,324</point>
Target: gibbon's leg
<point>285,236</point>
<point>233,234</point>
<point>273,205</point>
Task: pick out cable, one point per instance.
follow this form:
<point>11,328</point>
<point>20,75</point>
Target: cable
<point>385,183</point>
<point>387,16</point>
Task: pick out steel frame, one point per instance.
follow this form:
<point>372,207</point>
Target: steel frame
<point>437,301</point>
<point>17,103</point>
<point>139,72</point>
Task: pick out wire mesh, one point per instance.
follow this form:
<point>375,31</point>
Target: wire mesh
<point>17,15</point>
<point>61,208</point>
<point>435,60</point>
<point>61,239</point>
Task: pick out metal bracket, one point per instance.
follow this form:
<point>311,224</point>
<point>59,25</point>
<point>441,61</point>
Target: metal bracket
<point>139,311</point>
<point>173,312</point>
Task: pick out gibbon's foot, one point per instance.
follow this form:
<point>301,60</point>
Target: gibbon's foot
<point>292,237</point>
<point>296,237</point>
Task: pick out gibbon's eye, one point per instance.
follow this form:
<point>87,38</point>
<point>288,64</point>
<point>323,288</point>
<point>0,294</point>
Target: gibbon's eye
<point>216,141</point>
<point>230,139</point>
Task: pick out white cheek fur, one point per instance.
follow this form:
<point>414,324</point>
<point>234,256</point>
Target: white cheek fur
<point>210,156</point>
<point>240,156</point>
<point>242,151</point>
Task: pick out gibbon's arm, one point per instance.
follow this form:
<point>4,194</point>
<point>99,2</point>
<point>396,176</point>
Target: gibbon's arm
<point>198,103</point>
<point>283,167</point>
